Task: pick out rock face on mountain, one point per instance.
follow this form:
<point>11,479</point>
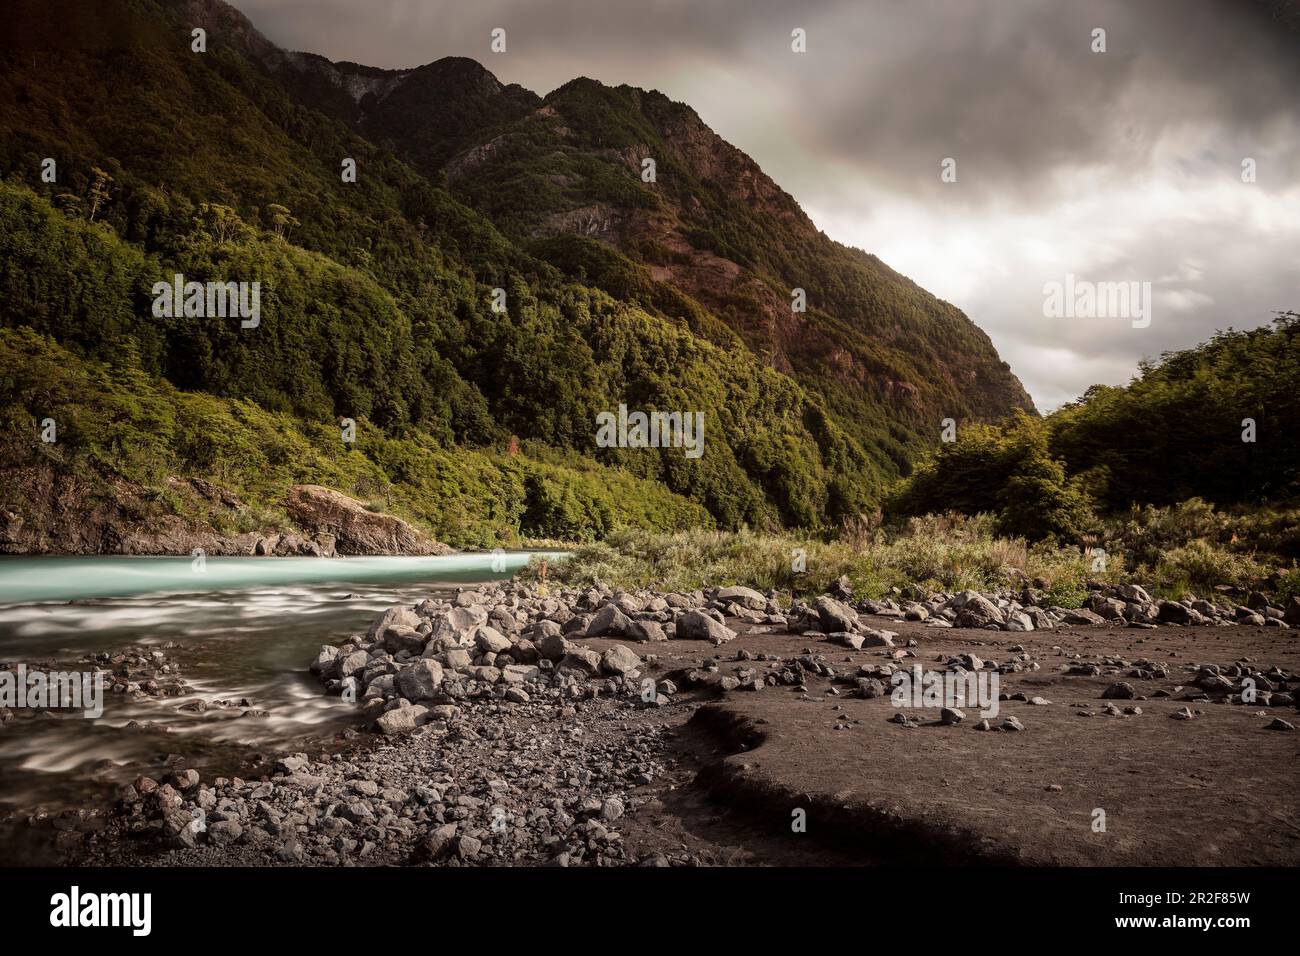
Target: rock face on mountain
<point>355,529</point>
<point>711,226</point>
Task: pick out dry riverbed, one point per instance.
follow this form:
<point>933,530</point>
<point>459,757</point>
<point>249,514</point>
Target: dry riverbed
<point>516,728</point>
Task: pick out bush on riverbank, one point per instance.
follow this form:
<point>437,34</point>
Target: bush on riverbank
<point>949,552</point>
<point>936,552</point>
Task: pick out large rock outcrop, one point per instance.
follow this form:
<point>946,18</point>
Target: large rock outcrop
<point>356,529</point>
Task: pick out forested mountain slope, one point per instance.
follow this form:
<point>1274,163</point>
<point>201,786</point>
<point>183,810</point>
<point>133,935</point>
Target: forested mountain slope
<point>225,165</point>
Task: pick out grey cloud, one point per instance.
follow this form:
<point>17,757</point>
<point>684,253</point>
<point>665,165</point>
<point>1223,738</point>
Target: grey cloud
<point>1009,88</point>
<point>1236,282</point>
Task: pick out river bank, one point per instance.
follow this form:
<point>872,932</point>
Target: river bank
<point>514,725</point>
<point>201,667</point>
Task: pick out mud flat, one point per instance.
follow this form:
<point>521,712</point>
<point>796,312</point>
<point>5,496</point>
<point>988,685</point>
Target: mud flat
<point>1218,789</point>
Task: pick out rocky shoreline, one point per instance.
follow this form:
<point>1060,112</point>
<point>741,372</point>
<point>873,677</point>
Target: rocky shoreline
<point>517,725</point>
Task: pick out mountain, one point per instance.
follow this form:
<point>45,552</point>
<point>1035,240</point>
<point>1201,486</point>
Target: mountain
<point>562,173</point>
<point>224,165</point>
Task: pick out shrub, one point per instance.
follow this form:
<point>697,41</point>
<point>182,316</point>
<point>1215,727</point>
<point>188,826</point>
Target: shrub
<point>1007,472</point>
<point>1288,585</point>
<point>1200,566</point>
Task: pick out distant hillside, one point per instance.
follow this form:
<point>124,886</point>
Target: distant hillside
<point>225,165</point>
<point>1216,422</point>
<point>1179,429</point>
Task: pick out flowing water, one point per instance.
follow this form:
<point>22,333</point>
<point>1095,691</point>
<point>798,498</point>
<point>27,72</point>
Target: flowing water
<point>245,629</point>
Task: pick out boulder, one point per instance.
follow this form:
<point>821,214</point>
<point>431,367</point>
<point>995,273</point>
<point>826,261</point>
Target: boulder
<point>546,628</point>
<point>1077,616</point>
<point>553,647</point>
<point>746,597</point>
<point>1107,607</point>
<point>399,720</point>
<point>352,663</point>
<point>581,659</point>
<point>1291,612</point>
<point>978,611</point>
<point>224,832</point>
<point>619,660</point>
<point>698,626</point>
<point>356,529</point>
<point>1171,612</point>
<point>490,640</point>
<point>873,637</point>
<point>326,664</point>
<point>609,621</point>
<point>518,673</point>
<point>458,658</point>
<point>399,637</point>
<point>420,680</point>
<point>1019,621</point>
<point>1121,690</point>
<point>458,624</point>
<point>834,616</point>
<point>403,616</point>
<point>647,632</point>
<point>1133,593</point>
<point>847,638</point>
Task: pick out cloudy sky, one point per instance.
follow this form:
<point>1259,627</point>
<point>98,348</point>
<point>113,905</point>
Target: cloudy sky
<point>1123,165</point>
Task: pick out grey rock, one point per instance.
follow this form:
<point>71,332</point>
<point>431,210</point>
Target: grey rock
<point>420,680</point>
<point>647,632</point>
<point>746,597</point>
<point>873,637</point>
<point>581,659</point>
<point>698,626</point>
<point>609,621</point>
<point>400,720</point>
<point>834,615</point>
<point>394,615</point>
<point>224,832</point>
<point>1171,612</point>
<point>1120,690</point>
<point>490,640</point>
<point>619,660</point>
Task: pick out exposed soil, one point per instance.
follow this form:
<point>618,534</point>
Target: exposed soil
<point>1219,789</point>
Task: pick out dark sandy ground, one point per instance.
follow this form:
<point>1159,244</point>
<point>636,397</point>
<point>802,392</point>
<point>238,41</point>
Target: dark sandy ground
<point>1218,790</point>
